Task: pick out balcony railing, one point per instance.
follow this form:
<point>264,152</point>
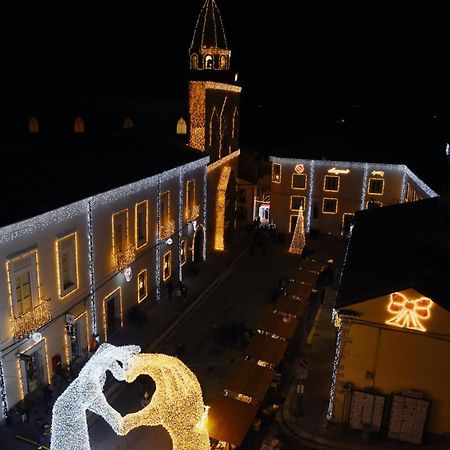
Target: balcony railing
<point>32,320</point>
<point>192,214</point>
<point>166,230</point>
<point>125,258</point>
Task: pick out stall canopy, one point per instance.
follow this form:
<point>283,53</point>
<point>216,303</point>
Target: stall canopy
<point>289,305</point>
<point>229,419</point>
<point>267,349</point>
<point>249,379</point>
<point>300,290</point>
<point>278,325</point>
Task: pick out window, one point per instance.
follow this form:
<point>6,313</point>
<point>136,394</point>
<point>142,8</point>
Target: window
<point>181,126</point>
<point>120,231</point>
<point>376,186</point>
<point>167,265</point>
<point>194,62</point>
<point>208,62</point>
<point>373,204</point>
<point>165,208</point>
<point>331,183</point>
<point>67,264</point>
<point>297,202</point>
<point>33,125</point>
<point>276,173</point>
<point>128,123</point>
<point>223,62</point>
<point>330,206</point>
<point>141,224</point>
<point>78,126</point>
<point>183,251</point>
<point>142,285</point>
<point>292,223</point>
<point>298,181</point>
<point>24,282</point>
<point>191,208</point>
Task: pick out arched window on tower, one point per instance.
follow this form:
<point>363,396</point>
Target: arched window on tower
<point>78,126</point>
<point>209,62</point>
<point>194,62</point>
<point>33,125</point>
<point>235,131</point>
<point>223,62</point>
<point>128,123</point>
<point>214,131</point>
<point>181,126</point>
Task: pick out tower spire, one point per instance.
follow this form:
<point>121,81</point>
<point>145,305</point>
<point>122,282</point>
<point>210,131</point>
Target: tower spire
<point>209,48</point>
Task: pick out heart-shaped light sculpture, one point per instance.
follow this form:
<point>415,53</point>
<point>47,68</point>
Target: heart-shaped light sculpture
<point>177,403</point>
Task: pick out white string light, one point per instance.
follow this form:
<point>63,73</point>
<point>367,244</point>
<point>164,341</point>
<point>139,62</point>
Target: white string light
<point>364,186</point>
<point>181,177</point>
<point>337,357</point>
<point>5,407</point>
<point>205,209</point>
<point>158,242</point>
<point>91,269</point>
<point>310,197</point>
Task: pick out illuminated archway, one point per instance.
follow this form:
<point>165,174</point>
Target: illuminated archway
<point>219,241</point>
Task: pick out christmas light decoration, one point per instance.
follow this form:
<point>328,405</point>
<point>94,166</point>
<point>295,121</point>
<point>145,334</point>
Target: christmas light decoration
<point>310,197</point>
<point>142,285</point>
<point>335,171</point>
<point>299,168</point>
<point>331,177</point>
<point>408,313</point>
<point>363,185</point>
<point>177,403</point>
<point>419,183</point>
<point>91,270</point>
<point>181,195</point>
<point>447,149</point>
<point>59,243</point>
<point>127,273</point>
<point>69,423</point>
<point>139,206</point>
<point>5,406</point>
<point>327,202</point>
<point>378,172</point>
<point>167,265</point>
<point>158,242</point>
<point>296,176</point>
<point>337,357</point>
<point>370,187</point>
<point>221,162</point>
<point>205,208</point>
<point>105,316</point>
<point>298,238</point>
<point>219,243</point>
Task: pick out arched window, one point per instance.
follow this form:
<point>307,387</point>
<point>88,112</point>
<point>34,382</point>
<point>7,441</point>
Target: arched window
<point>223,62</point>
<point>181,126</point>
<point>194,62</point>
<point>33,125</point>
<point>209,62</point>
<point>235,131</point>
<point>128,123</point>
<point>214,124</point>
<point>78,125</point>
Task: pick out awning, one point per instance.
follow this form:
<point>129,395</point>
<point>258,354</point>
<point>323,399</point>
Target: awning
<point>265,348</point>
<point>281,326</point>
<point>290,305</point>
<point>299,289</point>
<point>249,379</point>
<point>229,419</point>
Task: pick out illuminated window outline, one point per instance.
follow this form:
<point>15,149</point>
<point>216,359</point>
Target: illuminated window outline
<point>144,274</point>
<point>38,280</point>
<point>63,293</point>
<point>408,313</point>
<point>214,130</point>
<point>290,222</point>
<point>223,62</point>
<point>190,199</point>
<point>167,264</point>
<point>78,125</point>
<point>165,220</point>
<point>375,179</point>
<point>303,203</point>
<point>379,204</point>
<point>299,175</point>
<point>181,126</point>
<point>184,251</point>
<point>138,205</point>
<point>323,205</point>
<point>33,125</point>
<point>105,301</point>
<point>194,61</point>
<point>207,59</point>
<point>274,175</point>
<point>343,220</point>
<point>66,337</point>
<point>127,238</point>
<point>325,180</point>
<point>19,367</point>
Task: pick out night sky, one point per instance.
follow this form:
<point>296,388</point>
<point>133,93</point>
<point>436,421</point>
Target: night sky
<point>381,70</point>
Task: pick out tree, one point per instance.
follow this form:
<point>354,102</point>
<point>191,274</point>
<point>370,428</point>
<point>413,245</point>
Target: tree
<point>298,238</point>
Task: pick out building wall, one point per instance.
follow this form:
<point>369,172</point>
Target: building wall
<point>392,359</point>
<point>91,219</point>
<point>353,194</point>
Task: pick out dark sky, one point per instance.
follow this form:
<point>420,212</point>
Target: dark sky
<point>310,60</point>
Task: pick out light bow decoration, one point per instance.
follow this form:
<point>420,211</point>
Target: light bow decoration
<point>177,403</point>
<point>409,313</point>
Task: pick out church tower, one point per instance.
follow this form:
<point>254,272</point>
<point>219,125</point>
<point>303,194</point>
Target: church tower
<point>214,109</point>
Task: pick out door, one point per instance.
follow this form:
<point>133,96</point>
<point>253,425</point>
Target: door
<point>75,341</point>
<point>111,315</point>
<point>347,221</point>
<point>33,370</point>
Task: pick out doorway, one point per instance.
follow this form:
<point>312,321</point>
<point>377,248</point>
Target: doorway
<point>198,244</point>
<point>347,221</point>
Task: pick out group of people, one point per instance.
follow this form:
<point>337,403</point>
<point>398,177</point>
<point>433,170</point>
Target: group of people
<point>181,290</point>
<point>228,336</point>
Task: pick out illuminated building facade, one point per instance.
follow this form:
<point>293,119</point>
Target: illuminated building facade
<point>330,192</point>
<point>75,271</point>
<point>214,110</point>
<point>393,312</point>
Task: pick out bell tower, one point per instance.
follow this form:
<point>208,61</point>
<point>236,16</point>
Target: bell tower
<point>209,48</point>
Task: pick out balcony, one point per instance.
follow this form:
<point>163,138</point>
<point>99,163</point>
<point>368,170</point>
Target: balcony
<point>192,213</point>
<point>32,319</point>
<point>166,230</point>
<point>124,258</point>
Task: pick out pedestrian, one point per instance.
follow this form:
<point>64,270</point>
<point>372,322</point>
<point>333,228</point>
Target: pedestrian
<point>169,287</point>
<point>145,399</point>
<point>48,397</point>
<point>184,291</point>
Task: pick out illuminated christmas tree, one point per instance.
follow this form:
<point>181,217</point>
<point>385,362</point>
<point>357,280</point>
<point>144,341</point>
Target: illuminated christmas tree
<point>298,238</point>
